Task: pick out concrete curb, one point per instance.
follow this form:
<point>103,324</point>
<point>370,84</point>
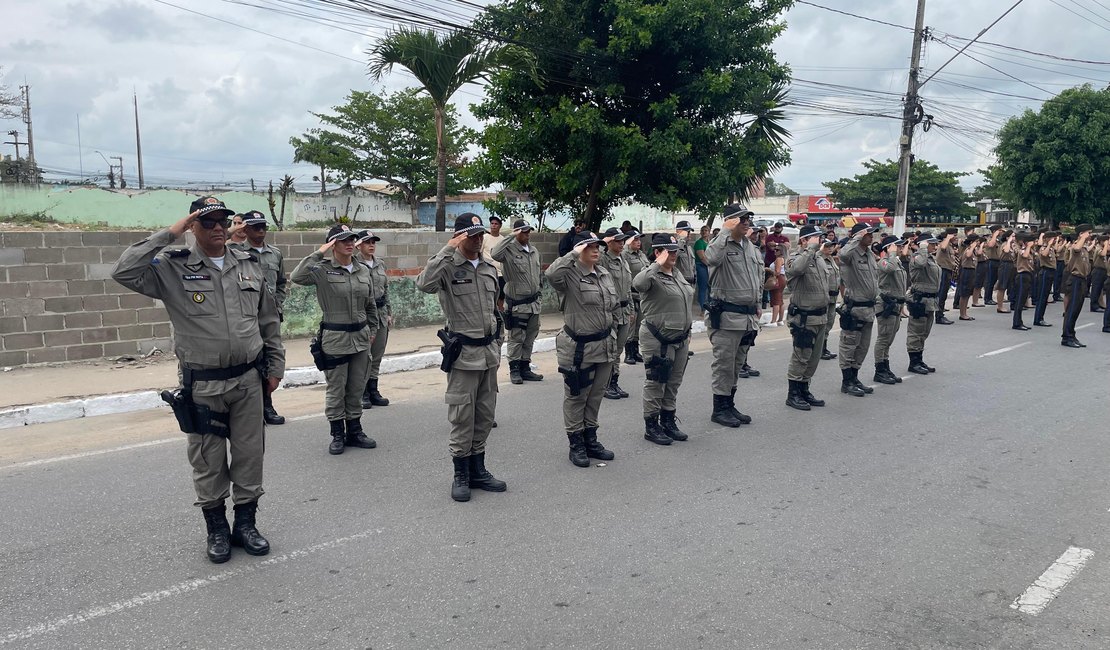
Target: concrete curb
<point>140,401</point>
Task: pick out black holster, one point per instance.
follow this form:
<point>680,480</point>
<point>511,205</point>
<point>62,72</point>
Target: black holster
<point>715,307</point>
<point>848,323</point>
<point>575,377</point>
<point>451,349</point>
<point>890,306</point>
<point>196,418</point>
<point>658,369</point>
<point>916,307</point>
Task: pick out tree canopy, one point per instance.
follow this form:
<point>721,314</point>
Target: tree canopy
<point>772,188</point>
<point>933,192</point>
<point>1057,161</point>
<point>672,103</point>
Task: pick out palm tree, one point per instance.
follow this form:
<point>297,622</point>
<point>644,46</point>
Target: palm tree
<point>320,150</point>
<point>442,64</point>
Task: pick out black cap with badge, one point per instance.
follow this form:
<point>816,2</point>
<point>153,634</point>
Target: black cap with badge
<point>207,205</point>
<point>586,237</point>
<point>858,227</point>
<point>520,225</point>
<point>684,225</point>
<point>615,233</point>
<point>254,218</point>
<point>738,211</point>
<point>469,224</point>
<point>927,238</point>
<point>365,236</point>
<point>809,230</point>
<point>340,232</point>
<point>665,241</point>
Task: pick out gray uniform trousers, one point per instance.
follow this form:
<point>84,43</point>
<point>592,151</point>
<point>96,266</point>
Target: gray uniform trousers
<point>886,331</point>
<point>471,402</point>
<point>803,361</point>
<point>623,332</point>
<point>377,351</point>
<point>581,411</point>
<point>830,318</point>
<point>854,346</point>
<point>728,358</point>
<point>917,330</point>
<point>346,383</point>
<point>521,339</point>
<point>663,397</point>
<point>213,474</point>
<point>634,323</point>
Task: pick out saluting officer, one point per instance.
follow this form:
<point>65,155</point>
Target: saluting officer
<point>520,269</point>
<point>1046,272</point>
<point>892,292</point>
<point>227,338</point>
<point>732,313</point>
<point>637,261</point>
<point>993,251</point>
<point>969,262</point>
<point>665,298</point>
<point>686,263</point>
<point>618,268</point>
<point>253,225</point>
<point>1025,265</point>
<point>857,319</point>
<point>466,284</point>
<point>807,276</point>
<point>830,247</point>
<point>1098,272</point>
<point>587,345</point>
<point>1077,270</point>
<point>924,301</point>
<point>949,268</point>
<point>379,289</point>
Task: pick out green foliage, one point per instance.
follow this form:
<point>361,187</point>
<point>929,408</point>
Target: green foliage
<point>933,193</point>
<point>1057,161</point>
<point>322,149</point>
<point>771,188</point>
<point>672,103</point>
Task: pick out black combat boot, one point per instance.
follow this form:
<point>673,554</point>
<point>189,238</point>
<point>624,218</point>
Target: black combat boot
<point>722,414</point>
<point>356,437</point>
<point>847,385</point>
<point>654,433</point>
<point>269,415</point>
<point>794,398</point>
<point>514,372</point>
<point>883,375</point>
<point>526,371</point>
<point>826,355</point>
<point>578,450</point>
<point>927,366</point>
<point>629,354</point>
<point>376,398</point>
<point>366,402</point>
<point>337,436</point>
<point>636,351</point>
<point>917,366</point>
<point>616,383</point>
<point>480,477</point>
<point>244,534</point>
<point>859,384</point>
<point>611,390</point>
<point>460,486</point>
<point>595,449</point>
<point>750,371</point>
<point>803,392</point>
<point>219,534</point>
<point>668,421</point>
<point>744,419</point>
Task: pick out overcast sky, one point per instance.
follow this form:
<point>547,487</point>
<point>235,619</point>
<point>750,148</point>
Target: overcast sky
<point>218,102</point>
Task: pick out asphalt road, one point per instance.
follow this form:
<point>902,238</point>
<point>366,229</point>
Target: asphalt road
<point>911,518</point>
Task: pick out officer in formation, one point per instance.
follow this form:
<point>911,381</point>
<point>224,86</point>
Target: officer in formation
<point>969,262</point>
<point>253,225</point>
<point>949,269</point>
<point>521,271</point>
<point>686,264</point>
<point>1098,272</point>
<point>1006,270</point>
<point>807,276</point>
<point>732,313</point>
<point>634,255</point>
<point>346,333</point>
<point>466,285</point>
<point>587,345</point>
<point>666,301</point>
<point>925,279</point>
<point>1076,271</point>
<point>227,338</point>
<point>830,248</point>
<point>617,265</point>
<point>992,251</point>
<point>857,315</point>
<point>379,289</point>
<point>1025,265</point>
<point>892,294</point>
<point>1042,289</point>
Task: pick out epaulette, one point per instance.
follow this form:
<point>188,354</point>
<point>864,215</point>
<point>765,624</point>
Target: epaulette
<point>244,254</point>
<point>182,252</point>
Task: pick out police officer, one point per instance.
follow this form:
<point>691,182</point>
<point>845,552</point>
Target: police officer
<point>993,252</point>
<point>829,249</point>
<point>521,271</point>
<point>634,255</point>
<point>1046,273</point>
<point>949,268</point>
<point>1098,272</point>
<point>253,226</point>
<point>611,258</point>
<point>350,320</point>
<point>732,313</point>
<point>857,320</point>
<point>466,284</point>
<point>686,265</point>
<point>1025,265</point>
<point>587,345</point>
<point>1076,271</point>
<point>379,289</point>
<point>666,301</point>
<point>969,262</point>
<point>925,277</point>
<point>1006,272</point>
<point>807,276</point>
<point>227,338</point>
<point>892,293</point>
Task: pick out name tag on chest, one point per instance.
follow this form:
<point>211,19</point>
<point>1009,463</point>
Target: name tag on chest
<point>194,276</point>
<point>463,281</point>
<point>334,272</point>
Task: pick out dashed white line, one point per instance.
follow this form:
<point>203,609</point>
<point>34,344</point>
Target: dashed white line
<point>179,589</point>
<point>87,454</point>
<point>1039,594</point>
<point>1004,350</point>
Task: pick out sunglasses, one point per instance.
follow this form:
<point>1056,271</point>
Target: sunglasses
<point>209,224</point>
<point>258,226</point>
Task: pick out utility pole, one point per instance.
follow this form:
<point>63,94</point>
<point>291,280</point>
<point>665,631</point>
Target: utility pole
<point>17,143</point>
<point>138,143</point>
<point>122,182</point>
<point>80,159</point>
<point>18,163</point>
<point>911,115</point>
<point>34,170</point>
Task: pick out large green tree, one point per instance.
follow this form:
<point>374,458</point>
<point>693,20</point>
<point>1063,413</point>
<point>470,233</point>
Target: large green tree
<point>323,150</point>
<point>443,63</point>
<point>672,103</point>
<point>1057,161</point>
<point>933,192</point>
<point>394,138</point>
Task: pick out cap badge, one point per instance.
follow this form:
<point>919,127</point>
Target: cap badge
<point>211,201</point>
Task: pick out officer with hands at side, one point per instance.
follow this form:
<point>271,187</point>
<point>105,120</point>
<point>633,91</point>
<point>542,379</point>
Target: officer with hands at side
<point>379,289</point>
<point>521,271</point>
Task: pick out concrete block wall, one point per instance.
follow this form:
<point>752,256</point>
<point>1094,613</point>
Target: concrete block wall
<point>58,302</point>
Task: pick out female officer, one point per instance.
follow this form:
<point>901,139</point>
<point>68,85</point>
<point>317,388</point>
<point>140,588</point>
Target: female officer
<point>350,320</point>
<point>665,298</point>
<point>379,288</point>
<point>587,345</point>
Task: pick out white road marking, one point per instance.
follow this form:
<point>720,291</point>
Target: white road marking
<point>300,418</point>
<point>1039,594</point>
<point>1004,350</point>
<point>98,452</point>
<point>179,589</point>
<point>1084,326</point>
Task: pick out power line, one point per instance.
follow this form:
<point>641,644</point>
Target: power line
<point>981,32</point>
<point>848,13</point>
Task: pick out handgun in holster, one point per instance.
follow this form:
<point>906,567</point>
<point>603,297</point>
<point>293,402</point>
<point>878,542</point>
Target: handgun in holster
<point>196,418</point>
<point>451,349</point>
<point>890,305</point>
<point>714,308</point>
<point>916,307</point>
<point>658,369</point>
<point>847,321</point>
<point>575,377</point>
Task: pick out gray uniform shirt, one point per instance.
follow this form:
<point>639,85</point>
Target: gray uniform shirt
<point>925,276</point>
<point>833,267</point>
<point>273,263</point>
<point>685,262</point>
<point>221,317</point>
<point>622,282</point>
<point>807,276</point>
<point>665,300</point>
<point>468,295</point>
<point>522,273</point>
<point>858,270</point>
<point>379,291</point>
<point>345,297</point>
<point>892,278</point>
<point>590,306</point>
<point>637,261</point>
<point>735,276</point>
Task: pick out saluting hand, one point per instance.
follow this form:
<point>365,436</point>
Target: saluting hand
<point>661,256</point>
<point>579,247</point>
<point>181,226</point>
<point>731,223</point>
<point>326,247</point>
<point>457,240</point>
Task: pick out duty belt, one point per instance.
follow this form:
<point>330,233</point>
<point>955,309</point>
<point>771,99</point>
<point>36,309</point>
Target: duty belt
<point>897,300</point>
<point>482,342</point>
<point>819,311</point>
<point>924,295</point>
<point>664,340</point>
<point>513,302</point>
<point>833,294</point>
<point>587,338</point>
<point>343,327</point>
<point>380,302</point>
<point>852,304</point>
<point>190,375</point>
<point>658,367</point>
